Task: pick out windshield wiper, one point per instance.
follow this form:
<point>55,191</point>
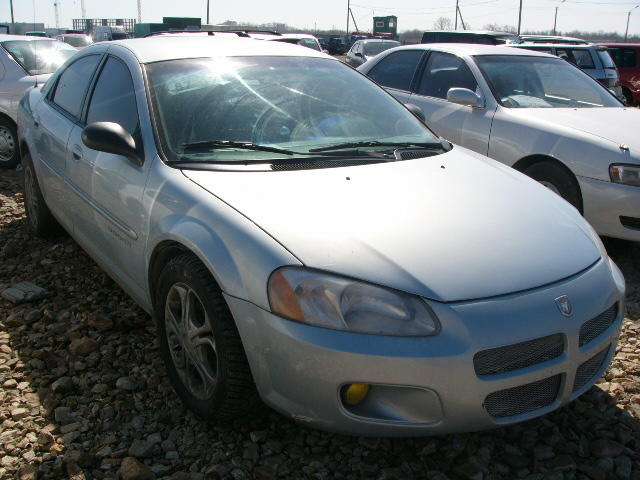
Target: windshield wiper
<point>376,143</point>
<point>218,144</point>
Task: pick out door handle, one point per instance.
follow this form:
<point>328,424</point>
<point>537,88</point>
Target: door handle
<point>76,153</point>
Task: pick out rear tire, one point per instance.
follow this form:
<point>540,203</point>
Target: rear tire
<point>40,219</point>
<point>200,344</point>
<point>554,177</point>
<point>9,151</point>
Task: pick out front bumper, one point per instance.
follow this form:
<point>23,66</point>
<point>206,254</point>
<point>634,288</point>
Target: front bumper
<point>605,202</point>
<point>428,385</point>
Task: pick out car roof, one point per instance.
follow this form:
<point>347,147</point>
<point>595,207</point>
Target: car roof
<point>178,46</point>
<point>377,40</point>
<point>473,49</point>
<point>618,44</point>
<point>474,32</point>
<point>73,35</point>
<point>28,38</point>
<point>559,45</point>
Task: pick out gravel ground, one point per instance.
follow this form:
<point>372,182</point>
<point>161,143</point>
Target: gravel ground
<point>84,395</point>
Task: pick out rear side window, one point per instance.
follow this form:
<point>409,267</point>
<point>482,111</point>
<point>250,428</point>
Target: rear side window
<point>397,69</point>
<point>629,58</point>
<point>445,71</point>
<point>605,58</point>
<point>73,83</point>
<point>114,98</point>
<point>579,57</point>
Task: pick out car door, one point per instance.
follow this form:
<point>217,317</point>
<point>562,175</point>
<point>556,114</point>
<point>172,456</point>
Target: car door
<point>351,55</point>
<point>110,222</point>
<point>54,118</point>
<point>395,72</point>
<point>460,124</point>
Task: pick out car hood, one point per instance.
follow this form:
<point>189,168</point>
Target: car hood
<point>456,226</point>
<point>616,124</point>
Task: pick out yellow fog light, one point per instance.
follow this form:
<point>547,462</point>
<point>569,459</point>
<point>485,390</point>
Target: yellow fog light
<point>355,393</point>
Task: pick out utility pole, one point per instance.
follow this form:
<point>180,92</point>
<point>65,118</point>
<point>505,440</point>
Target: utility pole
<point>11,5</point>
<point>555,19</point>
<point>519,17</point>
<point>626,31</point>
<point>207,12</point>
<point>348,14</point>
<point>139,11</point>
<point>56,12</point>
<point>456,22</point>
<point>82,9</point>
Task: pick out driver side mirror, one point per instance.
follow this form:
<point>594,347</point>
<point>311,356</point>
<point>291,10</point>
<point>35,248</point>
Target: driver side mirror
<point>111,138</point>
<point>464,96</point>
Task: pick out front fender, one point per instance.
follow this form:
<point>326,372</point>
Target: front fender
<point>238,253</point>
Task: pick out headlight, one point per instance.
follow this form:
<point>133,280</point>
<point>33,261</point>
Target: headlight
<point>339,303</point>
<point>626,174</point>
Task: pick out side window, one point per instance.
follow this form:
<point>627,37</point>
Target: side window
<point>396,70</point>
<point>579,57</point>
<point>445,71</point>
<point>73,83</point>
<point>616,56</point>
<point>628,57</point>
<point>113,98</point>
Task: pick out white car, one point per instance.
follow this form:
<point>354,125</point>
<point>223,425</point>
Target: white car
<point>25,61</point>
<point>532,111</point>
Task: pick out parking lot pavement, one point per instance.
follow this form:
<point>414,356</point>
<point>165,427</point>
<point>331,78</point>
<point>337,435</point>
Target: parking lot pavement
<point>84,395</point>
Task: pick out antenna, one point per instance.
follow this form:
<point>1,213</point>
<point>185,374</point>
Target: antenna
<point>82,9</point>
<point>57,12</point>
<point>139,11</point>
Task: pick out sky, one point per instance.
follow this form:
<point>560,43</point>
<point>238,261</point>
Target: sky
<point>589,15</point>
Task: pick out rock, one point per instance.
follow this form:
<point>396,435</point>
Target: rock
<point>62,385</point>
<point>140,449</point>
<point>28,472</point>
<point>11,248</point>
<point>63,415</point>
<point>82,346</point>
<point>132,469</point>
<point>25,292</point>
<point>603,447</point>
<point>103,452</point>
<point>100,322</point>
<point>126,383</point>
<point>623,467</point>
<point>19,413</point>
<point>11,383</point>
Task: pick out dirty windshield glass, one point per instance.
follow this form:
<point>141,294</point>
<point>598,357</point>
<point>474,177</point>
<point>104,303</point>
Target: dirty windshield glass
<point>39,56</point>
<point>538,82</point>
<point>290,103</point>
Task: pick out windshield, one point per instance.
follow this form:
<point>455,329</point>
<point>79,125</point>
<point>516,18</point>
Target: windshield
<point>374,48</point>
<point>293,103</point>
<point>605,58</point>
<point>77,41</point>
<point>539,82</point>
<point>39,56</point>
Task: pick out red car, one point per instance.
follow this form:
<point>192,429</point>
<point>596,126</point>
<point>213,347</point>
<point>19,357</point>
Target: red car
<point>627,58</point>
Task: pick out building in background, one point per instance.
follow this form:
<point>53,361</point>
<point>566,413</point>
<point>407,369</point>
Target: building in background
<point>386,27</point>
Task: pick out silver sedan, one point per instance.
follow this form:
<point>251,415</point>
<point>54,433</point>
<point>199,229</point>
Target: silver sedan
<point>532,111</point>
<point>300,236</point>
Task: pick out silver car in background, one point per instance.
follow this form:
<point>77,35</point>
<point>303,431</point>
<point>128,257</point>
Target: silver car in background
<point>25,61</point>
<point>300,236</point>
<point>532,111</point>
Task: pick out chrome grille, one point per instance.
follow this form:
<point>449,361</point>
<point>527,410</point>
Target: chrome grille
<point>518,355</point>
<point>596,326</point>
<point>523,399</point>
<point>589,369</point>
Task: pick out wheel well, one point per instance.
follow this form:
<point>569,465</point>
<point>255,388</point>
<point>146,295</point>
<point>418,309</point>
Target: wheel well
<point>161,255</point>
<point>526,162</point>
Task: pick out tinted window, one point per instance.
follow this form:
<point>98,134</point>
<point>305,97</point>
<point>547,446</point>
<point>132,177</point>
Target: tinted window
<point>628,57</point>
<point>73,83</point>
<point>39,56</point>
<point>445,71</point>
<point>396,70</point>
<point>580,57</point>
<point>374,48</point>
<point>114,99</point>
<point>605,58</point>
<point>309,43</point>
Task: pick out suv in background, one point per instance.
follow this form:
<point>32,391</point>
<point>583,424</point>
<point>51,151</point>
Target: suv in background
<point>337,46</point>
<point>593,59</point>
<point>467,36</point>
<point>363,50</point>
<point>105,33</point>
<point>625,56</point>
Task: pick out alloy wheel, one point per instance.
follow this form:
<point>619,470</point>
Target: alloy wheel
<point>191,341</point>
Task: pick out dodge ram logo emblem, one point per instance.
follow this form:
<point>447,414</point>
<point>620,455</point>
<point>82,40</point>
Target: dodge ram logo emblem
<point>564,305</point>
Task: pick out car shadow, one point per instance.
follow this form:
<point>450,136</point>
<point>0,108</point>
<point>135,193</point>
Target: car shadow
<point>84,387</point>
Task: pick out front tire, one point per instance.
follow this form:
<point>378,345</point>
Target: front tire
<point>40,219</point>
<point>200,344</point>
<point>556,179</point>
<point>9,151</point>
